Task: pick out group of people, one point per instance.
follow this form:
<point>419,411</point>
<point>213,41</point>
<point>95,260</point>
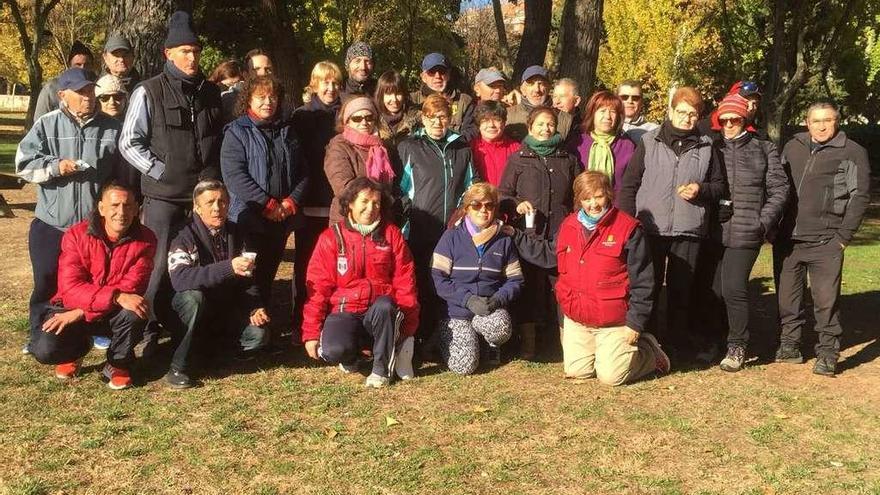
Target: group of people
<point>446,221</point>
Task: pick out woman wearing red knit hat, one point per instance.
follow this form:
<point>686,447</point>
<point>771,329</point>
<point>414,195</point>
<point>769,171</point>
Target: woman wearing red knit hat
<point>758,188</point>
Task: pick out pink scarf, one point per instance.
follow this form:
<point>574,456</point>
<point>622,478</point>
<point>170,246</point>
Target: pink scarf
<point>378,165</point>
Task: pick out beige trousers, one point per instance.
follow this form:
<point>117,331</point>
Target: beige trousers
<point>589,352</point>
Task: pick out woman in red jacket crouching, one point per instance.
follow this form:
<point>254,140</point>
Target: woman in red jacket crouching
<point>361,289</point>
<point>604,288</point>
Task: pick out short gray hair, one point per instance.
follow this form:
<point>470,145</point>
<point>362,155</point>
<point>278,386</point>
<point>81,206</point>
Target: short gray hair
<point>823,105</point>
<point>571,83</point>
<point>208,185</point>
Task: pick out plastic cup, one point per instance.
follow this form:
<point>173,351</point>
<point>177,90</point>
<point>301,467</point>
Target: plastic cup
<point>530,220</point>
<point>252,257</point>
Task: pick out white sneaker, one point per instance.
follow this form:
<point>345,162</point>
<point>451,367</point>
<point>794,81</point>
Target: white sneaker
<point>349,368</point>
<point>376,381</point>
<point>403,366</point>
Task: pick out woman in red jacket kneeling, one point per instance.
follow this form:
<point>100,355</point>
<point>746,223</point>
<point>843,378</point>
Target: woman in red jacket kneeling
<point>604,288</point>
<point>361,289</point>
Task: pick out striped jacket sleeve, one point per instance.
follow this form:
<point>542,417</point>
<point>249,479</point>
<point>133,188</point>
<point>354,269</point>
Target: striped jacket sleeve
<point>34,161</point>
<point>134,141</point>
<point>441,271</point>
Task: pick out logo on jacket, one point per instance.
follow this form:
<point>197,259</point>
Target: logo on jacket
<point>609,241</point>
<point>342,265</point>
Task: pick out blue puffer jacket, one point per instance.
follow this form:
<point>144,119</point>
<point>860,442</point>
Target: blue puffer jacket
<point>245,160</point>
<point>460,271</point>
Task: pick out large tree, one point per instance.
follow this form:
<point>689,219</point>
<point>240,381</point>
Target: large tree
<point>32,37</point>
<point>536,35</point>
<point>283,48</point>
<point>144,24</point>
<point>581,35</point>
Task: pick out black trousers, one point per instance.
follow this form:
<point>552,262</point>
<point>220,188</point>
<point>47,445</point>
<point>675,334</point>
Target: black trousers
<point>213,325</point>
<point>165,219</point>
<point>269,245</point>
<point>675,261</point>
<point>823,263</point>
<point>123,327</point>
<point>345,334</point>
<point>432,307</point>
<point>723,303</point>
<point>306,238</point>
<point>44,247</point>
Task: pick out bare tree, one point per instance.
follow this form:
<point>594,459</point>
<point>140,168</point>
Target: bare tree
<point>536,35</point>
<point>581,34</point>
<point>503,45</point>
<point>32,39</point>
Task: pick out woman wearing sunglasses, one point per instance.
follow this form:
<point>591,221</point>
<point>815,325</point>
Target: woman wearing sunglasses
<point>112,96</point>
<point>357,151</point>
<point>674,178</point>
<point>477,273</point>
<point>758,191</point>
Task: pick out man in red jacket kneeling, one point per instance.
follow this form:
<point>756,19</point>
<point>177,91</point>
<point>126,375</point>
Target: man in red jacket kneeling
<point>103,271</point>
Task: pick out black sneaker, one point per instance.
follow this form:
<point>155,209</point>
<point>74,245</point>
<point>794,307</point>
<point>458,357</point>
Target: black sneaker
<point>178,379</point>
<point>825,366</point>
<point>733,361</point>
<point>789,354</point>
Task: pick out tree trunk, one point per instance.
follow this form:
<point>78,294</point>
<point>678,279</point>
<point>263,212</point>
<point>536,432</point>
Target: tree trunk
<point>283,49</point>
<point>581,34</point>
<point>39,14</point>
<point>503,45</point>
<point>144,23</point>
<point>536,36</point>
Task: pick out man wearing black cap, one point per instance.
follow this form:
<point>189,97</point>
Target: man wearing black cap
<point>69,152</point>
<point>119,61</point>
<point>535,89</point>
<point>436,75</point>
<point>359,64</point>
<point>79,56</point>
<point>172,135</point>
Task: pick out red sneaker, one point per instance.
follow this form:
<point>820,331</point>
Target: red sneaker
<point>66,371</point>
<point>117,378</point>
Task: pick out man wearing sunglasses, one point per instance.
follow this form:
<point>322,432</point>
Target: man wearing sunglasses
<point>634,123</point>
<point>437,77</point>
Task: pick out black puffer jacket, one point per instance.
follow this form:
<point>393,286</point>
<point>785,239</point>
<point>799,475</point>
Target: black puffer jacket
<point>544,181</point>
<point>758,191</point>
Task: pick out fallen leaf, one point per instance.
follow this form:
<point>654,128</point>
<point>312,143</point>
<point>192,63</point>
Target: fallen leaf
<point>332,434</point>
<point>781,416</point>
<point>836,463</point>
<point>481,409</point>
<point>671,387</point>
<point>391,421</point>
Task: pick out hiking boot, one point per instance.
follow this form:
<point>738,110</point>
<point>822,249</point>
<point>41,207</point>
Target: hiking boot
<point>116,378</point>
<point>376,381</point>
<point>403,366</point>
<point>100,342</point>
<point>825,366</point>
<point>66,371</point>
<point>178,380</point>
<point>789,354</point>
<point>733,361</point>
<point>663,362</point>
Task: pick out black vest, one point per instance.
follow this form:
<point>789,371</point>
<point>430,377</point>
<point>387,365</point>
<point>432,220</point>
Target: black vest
<point>186,133</point>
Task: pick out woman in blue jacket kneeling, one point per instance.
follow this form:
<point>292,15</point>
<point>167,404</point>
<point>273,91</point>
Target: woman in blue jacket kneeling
<point>477,273</point>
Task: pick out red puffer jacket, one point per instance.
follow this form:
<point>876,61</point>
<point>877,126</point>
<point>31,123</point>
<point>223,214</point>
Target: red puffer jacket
<point>379,264</point>
<point>594,287</point>
<point>91,269</point>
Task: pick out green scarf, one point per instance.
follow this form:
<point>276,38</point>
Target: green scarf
<point>543,148</point>
<point>601,157</point>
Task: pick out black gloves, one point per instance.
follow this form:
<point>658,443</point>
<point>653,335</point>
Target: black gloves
<point>482,306</point>
<point>725,210</point>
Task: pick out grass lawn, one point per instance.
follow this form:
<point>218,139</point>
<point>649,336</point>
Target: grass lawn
<point>8,145</point>
<point>285,426</point>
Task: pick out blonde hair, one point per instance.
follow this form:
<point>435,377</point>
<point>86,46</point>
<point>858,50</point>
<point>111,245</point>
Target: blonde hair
<point>322,71</point>
<point>478,191</point>
<point>592,181</point>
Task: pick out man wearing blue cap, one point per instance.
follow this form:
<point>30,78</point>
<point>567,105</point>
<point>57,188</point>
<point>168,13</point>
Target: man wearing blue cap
<point>79,56</point>
<point>535,89</point>
<point>171,135</point>
<point>69,153</point>
<point>436,78</point>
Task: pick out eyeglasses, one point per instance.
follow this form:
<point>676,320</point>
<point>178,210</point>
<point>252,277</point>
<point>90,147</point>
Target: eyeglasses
<point>681,114</point>
<point>440,116</point>
<point>116,98</point>
<point>633,98</point>
<point>357,119</point>
<point>268,98</point>
<point>476,205</point>
<point>732,121</point>
<point>437,70</point>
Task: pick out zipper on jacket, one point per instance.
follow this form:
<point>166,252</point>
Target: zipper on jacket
<point>807,168</point>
